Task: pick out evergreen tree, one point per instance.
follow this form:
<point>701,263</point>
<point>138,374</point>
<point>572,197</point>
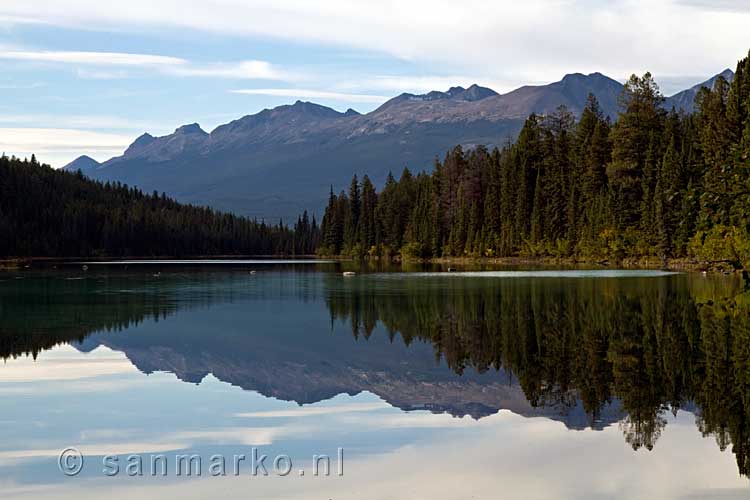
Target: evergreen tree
<point>367,218</point>
<point>641,120</point>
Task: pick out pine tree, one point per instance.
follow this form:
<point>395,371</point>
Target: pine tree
<point>351,242</point>
<point>367,218</point>
<point>641,119</point>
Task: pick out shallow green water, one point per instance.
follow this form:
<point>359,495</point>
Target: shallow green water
<point>502,384</point>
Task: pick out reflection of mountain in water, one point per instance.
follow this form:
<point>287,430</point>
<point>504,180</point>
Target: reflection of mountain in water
<point>307,365</point>
<point>584,352</point>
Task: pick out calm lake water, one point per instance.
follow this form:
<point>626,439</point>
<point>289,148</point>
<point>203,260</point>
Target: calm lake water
<point>419,385</point>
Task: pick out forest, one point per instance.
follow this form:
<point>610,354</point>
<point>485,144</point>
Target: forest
<point>655,183</point>
<point>53,213</point>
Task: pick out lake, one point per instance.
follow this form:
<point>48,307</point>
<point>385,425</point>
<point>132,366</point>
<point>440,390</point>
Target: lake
<point>173,380</point>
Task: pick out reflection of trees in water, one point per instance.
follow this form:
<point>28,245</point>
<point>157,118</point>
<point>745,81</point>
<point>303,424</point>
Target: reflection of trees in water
<point>653,345</point>
<point>724,387</point>
<point>42,310</point>
<point>40,313</point>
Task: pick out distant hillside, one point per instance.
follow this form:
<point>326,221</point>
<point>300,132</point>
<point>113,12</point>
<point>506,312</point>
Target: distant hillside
<point>685,100</point>
<point>83,163</point>
<point>276,163</point>
<point>53,213</point>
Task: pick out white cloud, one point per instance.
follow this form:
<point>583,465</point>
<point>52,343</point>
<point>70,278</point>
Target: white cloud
<point>313,94</point>
<point>175,66</point>
<point>101,122</point>
<point>519,42</point>
<point>730,5</point>
<point>424,83</point>
<point>93,58</point>
<point>59,146</point>
<point>241,70</point>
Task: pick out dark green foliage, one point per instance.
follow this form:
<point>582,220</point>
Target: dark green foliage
<point>654,184</point>
<point>51,213</point>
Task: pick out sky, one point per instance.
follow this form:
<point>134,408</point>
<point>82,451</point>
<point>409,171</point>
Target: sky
<point>87,76</point>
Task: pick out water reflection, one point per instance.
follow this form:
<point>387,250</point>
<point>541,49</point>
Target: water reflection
<point>651,346</point>
<point>587,352</point>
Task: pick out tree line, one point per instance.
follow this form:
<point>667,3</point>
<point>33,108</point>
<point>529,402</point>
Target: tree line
<point>653,183</point>
<point>53,213</point>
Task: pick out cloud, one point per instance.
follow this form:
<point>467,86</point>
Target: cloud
<point>313,94</point>
<point>85,122</point>
<point>518,42</point>
<point>423,83</point>
<point>250,70</point>
<point>727,5</point>
<point>93,58</point>
<point>175,66</point>
<point>59,146</point>
<point>45,139</point>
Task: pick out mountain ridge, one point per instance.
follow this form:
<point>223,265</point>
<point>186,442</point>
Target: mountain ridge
<point>685,100</point>
<point>278,162</point>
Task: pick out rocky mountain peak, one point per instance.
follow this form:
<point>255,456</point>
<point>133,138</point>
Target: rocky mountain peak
<point>192,128</point>
<point>82,163</point>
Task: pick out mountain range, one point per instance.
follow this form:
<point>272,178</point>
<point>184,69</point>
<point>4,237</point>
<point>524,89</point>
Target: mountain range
<point>278,162</point>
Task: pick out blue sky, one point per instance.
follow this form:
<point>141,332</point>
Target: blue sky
<point>87,77</point>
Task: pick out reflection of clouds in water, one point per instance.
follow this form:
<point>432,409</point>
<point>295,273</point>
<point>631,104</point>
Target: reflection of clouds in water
<point>178,440</point>
<point>65,363</point>
<point>440,457</point>
<point>511,456</point>
<point>90,450</point>
<point>419,419</point>
<point>251,436</point>
<point>315,410</point>
<point>416,454</point>
<point>76,386</point>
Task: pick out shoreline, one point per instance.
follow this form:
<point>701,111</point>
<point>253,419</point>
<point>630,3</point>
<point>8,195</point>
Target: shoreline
<point>22,262</point>
<point>680,264</point>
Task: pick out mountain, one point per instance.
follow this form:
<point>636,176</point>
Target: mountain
<point>83,163</point>
<point>278,162</point>
<point>685,100</point>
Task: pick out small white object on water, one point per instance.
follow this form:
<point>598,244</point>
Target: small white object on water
<point>156,275</point>
<point>253,272</point>
<point>349,273</point>
<point>85,267</point>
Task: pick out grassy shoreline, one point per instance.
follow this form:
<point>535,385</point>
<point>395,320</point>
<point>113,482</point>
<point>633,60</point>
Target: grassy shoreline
<point>680,264</point>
